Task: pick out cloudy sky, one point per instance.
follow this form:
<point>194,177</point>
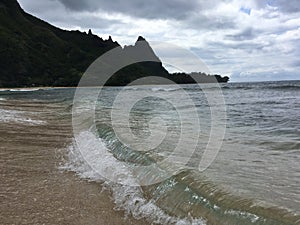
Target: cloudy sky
<point>249,40</point>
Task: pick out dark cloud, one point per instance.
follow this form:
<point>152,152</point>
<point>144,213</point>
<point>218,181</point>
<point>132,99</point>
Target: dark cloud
<point>246,46</point>
<point>177,9</point>
<point>212,22</point>
<point>296,63</point>
<point>246,34</point>
<point>187,10</point>
<point>79,5</point>
<point>89,22</point>
<point>290,6</point>
<point>40,7</point>
<point>204,17</point>
<point>54,12</point>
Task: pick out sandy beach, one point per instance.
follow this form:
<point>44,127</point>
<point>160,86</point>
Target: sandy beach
<point>33,190</point>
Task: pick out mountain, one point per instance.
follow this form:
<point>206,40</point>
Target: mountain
<point>35,53</point>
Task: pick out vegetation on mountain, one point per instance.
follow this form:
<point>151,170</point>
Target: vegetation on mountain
<point>35,53</point>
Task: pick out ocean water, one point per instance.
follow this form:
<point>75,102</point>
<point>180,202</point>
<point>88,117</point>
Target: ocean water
<point>254,179</point>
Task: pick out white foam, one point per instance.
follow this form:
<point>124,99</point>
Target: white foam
<point>155,89</point>
<point>246,215</point>
<point>18,117</point>
<point>127,198</point>
<point>24,89</point>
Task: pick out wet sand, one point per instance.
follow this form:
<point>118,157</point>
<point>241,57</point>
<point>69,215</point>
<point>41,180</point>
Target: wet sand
<point>33,190</point>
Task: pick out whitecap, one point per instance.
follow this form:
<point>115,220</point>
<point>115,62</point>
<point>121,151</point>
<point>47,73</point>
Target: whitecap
<point>166,89</point>
<point>128,198</point>
<point>25,89</point>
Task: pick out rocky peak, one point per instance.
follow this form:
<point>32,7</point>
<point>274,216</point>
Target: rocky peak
<point>140,38</point>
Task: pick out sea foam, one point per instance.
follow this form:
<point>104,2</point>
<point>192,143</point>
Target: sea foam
<point>18,117</point>
<point>25,89</point>
<point>128,198</point>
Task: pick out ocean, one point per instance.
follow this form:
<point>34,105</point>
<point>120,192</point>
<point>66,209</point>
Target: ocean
<point>146,146</point>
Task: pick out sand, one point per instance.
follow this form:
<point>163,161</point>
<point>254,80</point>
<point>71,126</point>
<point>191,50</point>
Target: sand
<point>33,190</point>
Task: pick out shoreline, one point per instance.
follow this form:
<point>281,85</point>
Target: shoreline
<point>33,188</point>
<point>66,87</point>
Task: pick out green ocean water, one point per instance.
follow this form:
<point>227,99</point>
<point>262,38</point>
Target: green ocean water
<point>254,178</point>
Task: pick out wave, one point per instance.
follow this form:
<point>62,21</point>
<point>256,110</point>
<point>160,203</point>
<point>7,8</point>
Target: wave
<point>252,86</point>
<point>165,89</point>
<point>24,89</point>
<point>128,198</point>
<point>197,88</point>
<point>171,201</point>
<point>284,87</point>
<point>15,116</point>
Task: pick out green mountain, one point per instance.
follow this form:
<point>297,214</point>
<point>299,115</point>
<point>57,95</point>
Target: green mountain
<point>35,53</point>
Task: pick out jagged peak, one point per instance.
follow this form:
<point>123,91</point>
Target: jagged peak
<point>140,38</point>
<point>142,41</point>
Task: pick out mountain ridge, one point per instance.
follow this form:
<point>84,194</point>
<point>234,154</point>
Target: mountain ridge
<point>36,53</point>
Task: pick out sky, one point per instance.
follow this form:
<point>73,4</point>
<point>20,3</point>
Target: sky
<point>248,40</point>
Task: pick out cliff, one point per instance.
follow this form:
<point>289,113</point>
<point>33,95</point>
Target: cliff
<point>35,53</point>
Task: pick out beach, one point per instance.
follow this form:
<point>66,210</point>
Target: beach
<point>59,165</point>
<point>161,113</point>
<point>33,190</point>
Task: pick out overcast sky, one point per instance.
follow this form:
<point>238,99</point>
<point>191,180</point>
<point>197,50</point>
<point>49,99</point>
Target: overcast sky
<point>249,40</point>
